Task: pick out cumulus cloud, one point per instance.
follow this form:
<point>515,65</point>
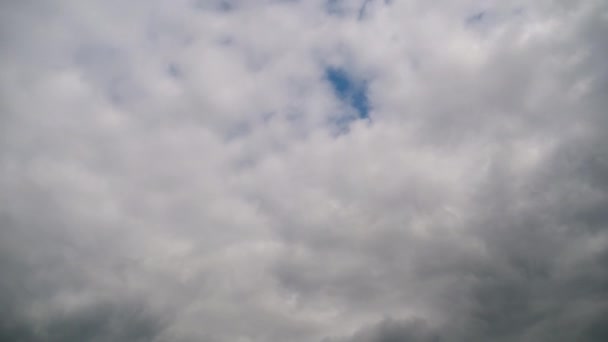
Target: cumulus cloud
<point>265,170</point>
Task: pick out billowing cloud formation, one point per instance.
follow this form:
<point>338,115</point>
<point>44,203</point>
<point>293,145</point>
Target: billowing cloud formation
<point>264,170</point>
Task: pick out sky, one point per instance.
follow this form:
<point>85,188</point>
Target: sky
<point>304,170</point>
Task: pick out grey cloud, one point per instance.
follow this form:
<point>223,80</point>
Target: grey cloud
<point>100,322</point>
<point>158,183</point>
<point>390,330</point>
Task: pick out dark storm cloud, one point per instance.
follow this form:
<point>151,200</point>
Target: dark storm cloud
<point>47,293</point>
<point>389,330</point>
<point>99,322</point>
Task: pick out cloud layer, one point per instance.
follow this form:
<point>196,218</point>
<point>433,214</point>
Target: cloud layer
<point>328,171</point>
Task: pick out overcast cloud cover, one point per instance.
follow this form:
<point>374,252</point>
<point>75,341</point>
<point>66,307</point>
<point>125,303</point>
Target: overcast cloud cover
<point>312,170</point>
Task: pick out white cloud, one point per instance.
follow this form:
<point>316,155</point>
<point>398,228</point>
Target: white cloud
<point>178,164</point>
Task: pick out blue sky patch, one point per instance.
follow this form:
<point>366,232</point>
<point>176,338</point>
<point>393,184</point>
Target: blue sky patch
<point>226,6</point>
<point>476,18</point>
<point>333,7</point>
<point>349,90</point>
<point>174,71</point>
<point>362,9</point>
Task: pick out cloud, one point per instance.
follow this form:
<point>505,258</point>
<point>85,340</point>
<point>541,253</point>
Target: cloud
<point>171,171</point>
<point>415,330</point>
